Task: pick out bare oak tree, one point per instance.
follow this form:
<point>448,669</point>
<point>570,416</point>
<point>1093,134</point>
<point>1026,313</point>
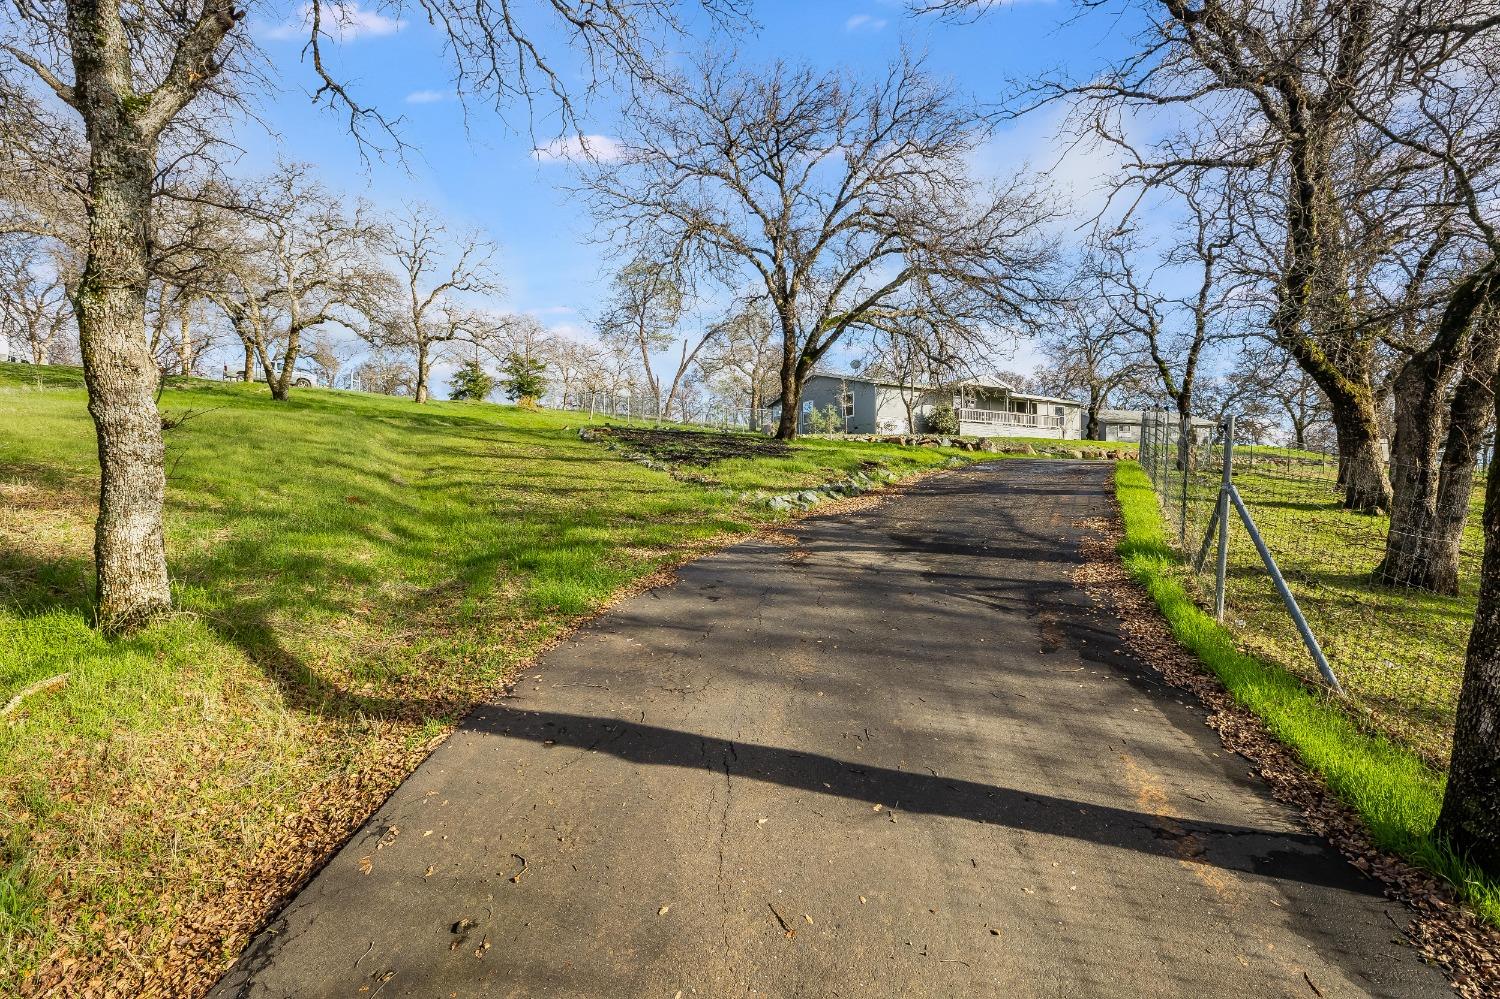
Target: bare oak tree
<point>296,261</point>
<point>34,309</point>
<point>433,268</point>
<point>1090,354</point>
<point>645,305</point>
<point>742,358</point>
<point>1175,333</point>
<point>1253,91</point>
<point>844,200</point>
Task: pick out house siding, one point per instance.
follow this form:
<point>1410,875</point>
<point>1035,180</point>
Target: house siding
<point>823,392</point>
<point>890,410</point>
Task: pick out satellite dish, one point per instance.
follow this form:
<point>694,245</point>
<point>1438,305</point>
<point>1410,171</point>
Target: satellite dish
<point>854,365</point>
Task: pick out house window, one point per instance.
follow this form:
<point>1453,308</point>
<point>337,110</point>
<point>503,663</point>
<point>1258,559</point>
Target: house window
<point>848,405</point>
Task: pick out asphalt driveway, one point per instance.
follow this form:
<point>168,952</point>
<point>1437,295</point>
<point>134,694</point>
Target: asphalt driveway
<point>905,757</point>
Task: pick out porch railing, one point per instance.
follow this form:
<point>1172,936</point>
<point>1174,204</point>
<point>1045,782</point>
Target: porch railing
<point>1001,418</point>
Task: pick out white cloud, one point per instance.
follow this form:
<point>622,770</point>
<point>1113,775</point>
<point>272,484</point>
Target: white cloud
<point>1077,171</point>
<point>552,310</point>
<point>572,331</point>
<point>865,22</point>
<point>576,147</point>
<point>344,22</point>
<point>427,96</point>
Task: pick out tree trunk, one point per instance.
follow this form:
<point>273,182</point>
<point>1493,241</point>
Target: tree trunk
<point>794,367</point>
<point>1409,543</point>
<point>423,364</point>
<point>791,404</point>
<point>248,371</point>
<point>1430,501</point>
<point>267,367</point>
<point>1431,507</point>
<point>281,385</point>
<point>1338,360</point>
<point>1361,467</point>
<point>184,339</point>
<point>1470,817</point>
<point>1096,403</point>
<point>129,551</point>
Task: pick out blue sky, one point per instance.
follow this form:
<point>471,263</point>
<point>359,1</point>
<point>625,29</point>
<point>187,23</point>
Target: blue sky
<point>484,172</point>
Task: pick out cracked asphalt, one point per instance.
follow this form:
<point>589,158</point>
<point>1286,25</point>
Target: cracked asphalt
<point>907,757</point>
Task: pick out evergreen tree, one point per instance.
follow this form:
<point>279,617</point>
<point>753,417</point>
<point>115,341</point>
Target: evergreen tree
<point>524,380</point>
<point>471,381</point>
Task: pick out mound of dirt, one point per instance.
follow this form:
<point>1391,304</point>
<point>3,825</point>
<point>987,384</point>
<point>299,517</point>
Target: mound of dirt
<point>690,447</point>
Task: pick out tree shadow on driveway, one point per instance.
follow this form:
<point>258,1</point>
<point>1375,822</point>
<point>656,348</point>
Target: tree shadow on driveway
<point>1298,857</point>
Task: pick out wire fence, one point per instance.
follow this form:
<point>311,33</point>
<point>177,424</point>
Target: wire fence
<point>639,408</point>
<point>1390,609</point>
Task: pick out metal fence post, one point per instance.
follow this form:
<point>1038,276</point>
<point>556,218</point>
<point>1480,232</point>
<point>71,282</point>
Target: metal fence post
<point>1221,569</point>
<point>1313,648</point>
<point>1185,462</point>
<point>1163,453</point>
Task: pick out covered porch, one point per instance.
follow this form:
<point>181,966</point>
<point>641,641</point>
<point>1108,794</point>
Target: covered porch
<point>990,422</point>
<point>990,408</point>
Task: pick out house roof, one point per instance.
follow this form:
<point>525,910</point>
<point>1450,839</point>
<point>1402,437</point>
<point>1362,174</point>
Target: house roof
<point>987,381</point>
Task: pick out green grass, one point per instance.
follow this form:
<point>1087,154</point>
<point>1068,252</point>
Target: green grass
<point>1391,786</point>
<point>351,572</point>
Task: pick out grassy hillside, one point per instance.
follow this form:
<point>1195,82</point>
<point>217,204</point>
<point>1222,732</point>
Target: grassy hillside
<point>351,571</point>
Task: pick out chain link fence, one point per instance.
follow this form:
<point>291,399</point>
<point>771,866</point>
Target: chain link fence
<point>1395,647</point>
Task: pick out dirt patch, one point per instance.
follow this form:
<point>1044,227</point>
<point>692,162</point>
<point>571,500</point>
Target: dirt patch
<point>698,448</point>
<point>1442,930</point>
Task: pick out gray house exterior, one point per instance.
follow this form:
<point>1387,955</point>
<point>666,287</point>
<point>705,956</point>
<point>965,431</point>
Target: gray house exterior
<point>986,407</point>
<point>1125,425</point>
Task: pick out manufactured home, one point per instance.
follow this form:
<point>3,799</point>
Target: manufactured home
<point>985,407</point>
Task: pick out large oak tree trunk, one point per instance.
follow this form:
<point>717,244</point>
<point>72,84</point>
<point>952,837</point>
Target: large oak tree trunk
<point>1338,359</point>
<point>791,403</point>
<point>794,368</point>
<point>1418,394</point>
<point>1431,503</point>
<point>1470,817</point>
<point>423,366</point>
<point>1361,464</point>
<point>129,551</point>
<point>1430,495</point>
